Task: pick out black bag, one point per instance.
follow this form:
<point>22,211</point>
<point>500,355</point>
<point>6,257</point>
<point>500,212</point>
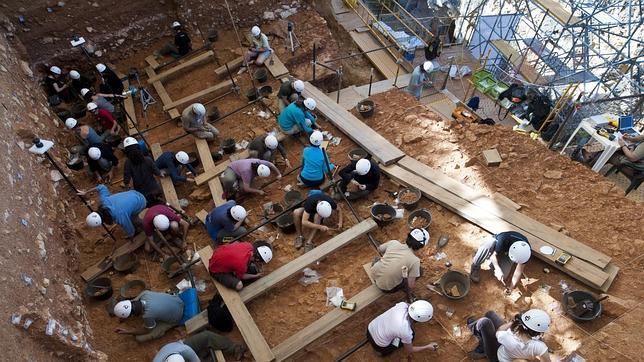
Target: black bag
<point>218,315</point>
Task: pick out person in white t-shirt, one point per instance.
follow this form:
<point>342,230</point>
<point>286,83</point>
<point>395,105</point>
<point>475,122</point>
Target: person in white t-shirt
<point>393,329</point>
<point>518,339</point>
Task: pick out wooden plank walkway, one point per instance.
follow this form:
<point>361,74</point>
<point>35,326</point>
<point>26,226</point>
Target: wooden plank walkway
<point>511,54</point>
<point>217,88</point>
<point>103,265</point>
<point>558,11</point>
<point>208,164</point>
<point>182,66</point>
<point>578,268</point>
<point>243,320</point>
<point>163,95</point>
<point>232,66</point>
<point>152,62</point>
<point>381,149</point>
<point>166,182</point>
<point>275,66</point>
<point>381,59</point>
<point>207,175</point>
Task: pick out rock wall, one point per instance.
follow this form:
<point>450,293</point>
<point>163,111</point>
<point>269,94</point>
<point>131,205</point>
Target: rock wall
<point>42,309</point>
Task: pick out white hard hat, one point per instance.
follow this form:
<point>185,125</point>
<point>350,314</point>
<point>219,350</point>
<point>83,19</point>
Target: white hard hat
<point>123,309</point>
<point>84,91</point>
<point>363,166</point>
<point>263,171</point>
<point>271,142</point>
<point>238,212</point>
<point>310,104</point>
<point>74,74</point>
<point>316,138</point>
<point>94,153</point>
<point>129,141</point>
<point>182,157</point>
<point>420,235</point>
<point>324,209</point>
<point>175,357</point>
<point>536,319</point>
<point>298,85</point>
<point>176,24</point>
<point>91,106</point>
<point>421,311</point>
<point>71,123</point>
<point>428,66</point>
<point>161,222</point>
<point>54,69</point>
<point>93,219</point>
<point>266,253</point>
<point>255,30</point>
<point>199,109</point>
<point>100,67</point>
<point>519,252</point>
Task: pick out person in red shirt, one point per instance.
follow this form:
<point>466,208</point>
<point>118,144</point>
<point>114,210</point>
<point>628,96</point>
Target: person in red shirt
<point>104,118</point>
<point>233,263</point>
<point>167,222</point>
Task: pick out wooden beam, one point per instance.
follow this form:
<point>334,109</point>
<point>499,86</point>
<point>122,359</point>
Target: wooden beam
<point>201,215</point>
<point>243,320</point>
<point>505,201</point>
<point>211,172</point>
<point>209,165</point>
<point>219,355</point>
<point>232,66</point>
<point>183,65</point>
<point>105,264</point>
<point>225,85</point>
<point>315,330</point>
<point>152,62</point>
<point>286,271</point>
<point>370,140</point>
<point>277,68</point>
<point>381,59</point>
<point>166,182</point>
<point>517,219</point>
<point>165,98</point>
<point>576,267</point>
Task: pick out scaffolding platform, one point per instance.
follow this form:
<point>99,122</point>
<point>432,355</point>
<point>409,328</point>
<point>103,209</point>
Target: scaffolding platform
<point>559,67</point>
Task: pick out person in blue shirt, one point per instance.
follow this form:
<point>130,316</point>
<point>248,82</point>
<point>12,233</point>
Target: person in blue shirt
<point>420,78</point>
<point>122,208</point>
<point>225,221</point>
<point>297,117</point>
<point>170,163</point>
<point>314,162</point>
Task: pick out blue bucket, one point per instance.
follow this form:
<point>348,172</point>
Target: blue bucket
<point>190,304</point>
<point>410,54</point>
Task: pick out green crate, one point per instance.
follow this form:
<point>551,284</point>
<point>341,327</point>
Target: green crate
<point>484,84</point>
<point>497,89</point>
<point>478,75</point>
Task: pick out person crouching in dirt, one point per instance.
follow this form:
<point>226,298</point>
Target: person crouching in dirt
<point>239,175</point>
<point>193,120</point>
<point>297,117</point>
<point>225,221</point>
<point>363,174</point>
<point>394,328</point>
<point>233,263</point>
<point>141,170</point>
<point>503,250</point>
<point>315,162</point>
<point>105,119</point>
<point>170,163</point>
<point>259,50</point>
<point>169,225</point>
<point>519,339</point>
<point>290,91</point>
<point>160,312</point>
<point>55,85</point>
<point>198,346</point>
<point>182,43</point>
<point>264,147</point>
<point>399,267</point>
<point>310,218</point>
<point>122,208</point>
<point>88,135</point>
<point>101,161</point>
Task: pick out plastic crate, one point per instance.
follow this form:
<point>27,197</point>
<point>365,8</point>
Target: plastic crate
<point>480,74</point>
<point>484,84</point>
<point>497,89</point>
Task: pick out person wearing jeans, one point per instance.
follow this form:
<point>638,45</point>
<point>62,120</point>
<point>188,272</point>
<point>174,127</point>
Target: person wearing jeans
<point>484,329</point>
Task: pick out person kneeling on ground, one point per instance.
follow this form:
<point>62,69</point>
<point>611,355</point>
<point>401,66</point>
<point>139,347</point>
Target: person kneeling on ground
<point>239,175</point>
<point>399,267</point>
<point>56,86</point>
<point>315,162</point>
<point>101,161</point>
<point>364,174</point>
<point>105,119</point>
<point>317,207</point>
<point>79,82</point>
<point>182,43</point>
<point>172,164</point>
<point>259,51</point>
<point>393,327</point>
<point>193,119</point>
<point>198,346</point>
<point>263,147</point>
<point>141,170</point>
<point>506,342</point>
<point>503,250</point>
<point>122,208</point>
<point>225,221</point>
<point>297,117</point>
<point>87,134</point>
<point>290,91</point>
<point>167,222</point>
<point>233,263</point>
<point>160,312</point>
<point>100,99</point>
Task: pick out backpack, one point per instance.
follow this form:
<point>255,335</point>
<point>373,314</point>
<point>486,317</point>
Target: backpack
<point>218,315</point>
